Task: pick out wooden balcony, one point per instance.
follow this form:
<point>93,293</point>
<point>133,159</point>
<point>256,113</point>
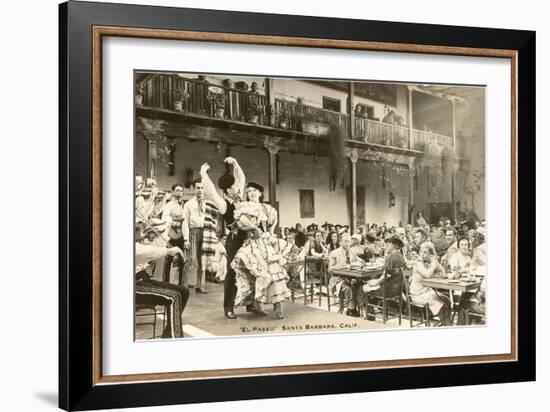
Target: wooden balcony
<point>173,94</point>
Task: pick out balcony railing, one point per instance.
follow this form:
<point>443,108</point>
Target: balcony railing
<point>200,97</point>
<point>307,119</point>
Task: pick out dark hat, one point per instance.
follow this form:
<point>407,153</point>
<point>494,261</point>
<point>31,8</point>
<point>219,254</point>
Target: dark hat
<point>256,186</point>
<point>370,238</point>
<point>300,239</point>
<point>395,241</point>
<point>226,181</point>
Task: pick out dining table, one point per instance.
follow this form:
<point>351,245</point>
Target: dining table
<point>464,286</point>
<point>457,285</point>
<point>365,272</point>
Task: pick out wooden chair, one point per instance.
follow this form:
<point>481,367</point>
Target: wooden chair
<point>333,300</point>
<point>312,284</point>
<point>474,315</point>
<point>423,310</point>
<point>381,301</point>
<point>147,310</point>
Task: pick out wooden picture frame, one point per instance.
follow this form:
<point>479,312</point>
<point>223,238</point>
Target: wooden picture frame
<point>82,27</point>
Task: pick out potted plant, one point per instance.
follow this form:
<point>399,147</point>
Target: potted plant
<point>179,99</point>
<point>283,117</point>
<point>216,96</point>
<point>140,91</point>
<point>254,105</point>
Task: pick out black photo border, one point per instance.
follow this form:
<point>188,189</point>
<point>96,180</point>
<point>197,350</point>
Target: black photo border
<point>79,386</point>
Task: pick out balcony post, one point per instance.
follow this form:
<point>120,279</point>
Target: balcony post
<point>353,157</point>
<point>270,101</point>
<point>410,117</point>
<point>410,208</point>
<point>453,172</point>
<point>272,150</point>
<point>351,111</point>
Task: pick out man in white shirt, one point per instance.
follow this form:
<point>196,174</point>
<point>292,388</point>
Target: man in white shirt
<point>173,216</point>
<point>192,230</point>
<point>349,292</point>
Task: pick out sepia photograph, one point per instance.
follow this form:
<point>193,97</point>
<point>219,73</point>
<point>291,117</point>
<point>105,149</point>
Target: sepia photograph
<point>273,205</point>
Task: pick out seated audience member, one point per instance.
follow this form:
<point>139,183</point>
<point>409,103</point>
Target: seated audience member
<point>478,254</point>
<point>152,235</point>
<point>332,241</point>
<point>452,248</point>
<point>472,303</point>
<point>409,233</point>
<point>392,276</point>
<point>371,248</point>
<point>427,267</point>
<point>401,233</point>
<point>356,245</point>
<point>339,286</point>
<point>420,237</point>
<point>438,239</point>
<point>318,247</point>
<point>461,261</point>
<point>478,260</point>
<point>286,232</point>
<point>299,227</point>
<point>148,291</point>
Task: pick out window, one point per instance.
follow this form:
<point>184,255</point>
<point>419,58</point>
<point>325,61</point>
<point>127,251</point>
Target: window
<point>307,204</point>
<point>331,104</point>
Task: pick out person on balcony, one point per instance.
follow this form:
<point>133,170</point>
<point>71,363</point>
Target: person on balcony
<point>360,111</point>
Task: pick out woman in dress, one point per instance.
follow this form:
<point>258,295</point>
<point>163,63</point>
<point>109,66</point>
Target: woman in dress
<point>427,267</point>
<point>461,261</point>
<point>259,263</point>
<point>332,241</point>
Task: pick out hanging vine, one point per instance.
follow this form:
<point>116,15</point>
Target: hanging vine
<point>338,159</point>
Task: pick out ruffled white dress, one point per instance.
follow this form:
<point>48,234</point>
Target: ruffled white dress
<point>260,263</point>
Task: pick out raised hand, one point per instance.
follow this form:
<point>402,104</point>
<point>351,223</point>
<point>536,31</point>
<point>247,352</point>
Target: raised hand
<point>230,160</point>
<point>204,168</point>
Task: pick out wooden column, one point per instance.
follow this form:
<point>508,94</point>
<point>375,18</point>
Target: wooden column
<point>353,157</point>
<point>272,151</point>
<point>453,171</point>
<point>410,117</point>
<point>270,100</point>
<point>410,206</point>
<point>351,107</point>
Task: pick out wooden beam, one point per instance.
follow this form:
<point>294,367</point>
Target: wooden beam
<point>270,100</point>
<point>453,173</point>
<point>272,153</point>
<point>410,115</point>
<point>351,111</point>
<point>354,156</point>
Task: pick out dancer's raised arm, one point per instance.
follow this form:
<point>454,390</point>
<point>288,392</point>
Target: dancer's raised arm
<point>210,190</point>
<point>238,173</point>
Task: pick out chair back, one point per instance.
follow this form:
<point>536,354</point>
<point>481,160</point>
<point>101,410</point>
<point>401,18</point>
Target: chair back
<point>391,288</point>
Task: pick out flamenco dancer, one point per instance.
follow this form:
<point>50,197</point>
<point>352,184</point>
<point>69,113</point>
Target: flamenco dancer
<point>232,185</point>
<point>259,262</point>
